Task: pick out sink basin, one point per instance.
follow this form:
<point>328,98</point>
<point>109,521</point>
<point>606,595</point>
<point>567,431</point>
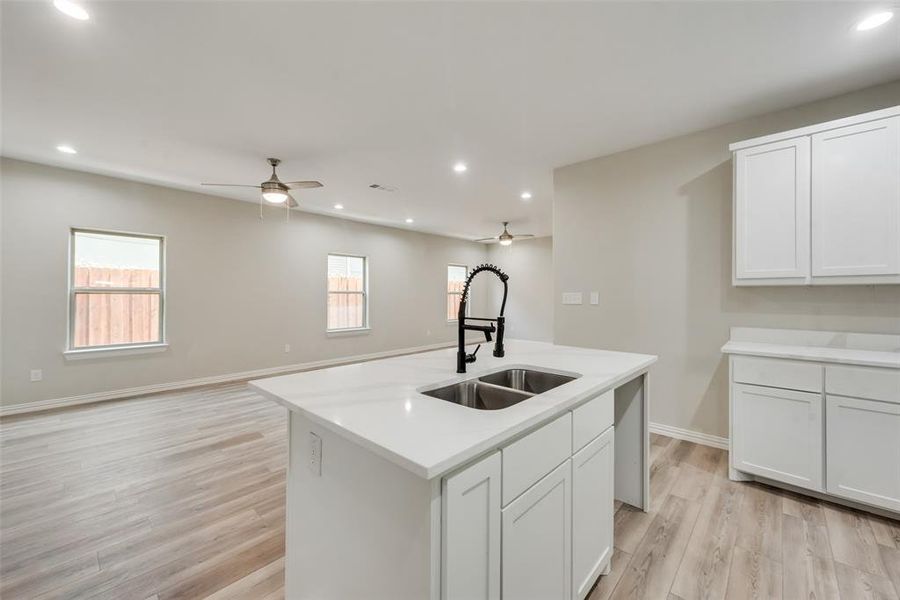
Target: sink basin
<point>526,380</point>
<point>480,395</point>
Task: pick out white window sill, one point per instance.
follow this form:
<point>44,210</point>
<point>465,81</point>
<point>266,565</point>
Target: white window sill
<point>340,332</point>
<point>83,353</point>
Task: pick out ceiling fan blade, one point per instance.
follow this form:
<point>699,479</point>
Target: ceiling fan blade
<point>487,239</point>
<point>232,185</point>
<point>303,184</point>
<point>518,235</point>
<point>291,202</point>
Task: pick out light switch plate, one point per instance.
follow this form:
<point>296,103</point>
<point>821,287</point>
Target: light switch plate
<point>595,298</point>
<point>572,298</point>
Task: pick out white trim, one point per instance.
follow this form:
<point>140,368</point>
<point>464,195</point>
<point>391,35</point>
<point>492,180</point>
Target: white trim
<point>704,439</point>
<point>348,331</point>
<point>817,128</point>
<point>54,403</point>
<point>72,291</point>
<point>110,351</point>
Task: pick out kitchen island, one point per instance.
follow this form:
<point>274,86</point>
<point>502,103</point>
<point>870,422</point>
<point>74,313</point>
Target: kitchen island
<point>395,494</point>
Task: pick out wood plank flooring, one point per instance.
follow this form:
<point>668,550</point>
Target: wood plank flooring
<point>181,495</point>
<point>710,538</point>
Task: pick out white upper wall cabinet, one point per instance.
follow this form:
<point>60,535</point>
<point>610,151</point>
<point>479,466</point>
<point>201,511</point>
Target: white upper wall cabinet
<point>819,205</point>
<point>856,200</point>
<point>772,206</point>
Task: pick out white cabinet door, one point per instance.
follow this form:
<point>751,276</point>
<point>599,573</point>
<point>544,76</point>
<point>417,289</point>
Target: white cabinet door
<point>864,451</point>
<point>471,532</point>
<point>593,472</point>
<point>771,220</point>
<point>856,200</point>
<point>537,542</point>
<point>778,434</point>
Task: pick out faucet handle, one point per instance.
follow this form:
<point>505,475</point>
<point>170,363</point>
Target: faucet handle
<point>470,358</point>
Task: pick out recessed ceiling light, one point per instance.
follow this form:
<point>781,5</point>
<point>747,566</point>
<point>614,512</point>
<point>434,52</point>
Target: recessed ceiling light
<point>338,207</point>
<point>875,20</point>
<point>76,11</point>
<point>65,149</point>
<point>460,167</point>
<point>525,196</point>
<point>408,220</point>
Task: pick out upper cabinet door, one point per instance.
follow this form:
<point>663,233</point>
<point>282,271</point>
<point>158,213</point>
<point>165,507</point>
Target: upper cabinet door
<point>856,200</point>
<point>772,212</point>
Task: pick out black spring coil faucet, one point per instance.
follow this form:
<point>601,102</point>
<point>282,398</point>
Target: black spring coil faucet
<point>461,357</point>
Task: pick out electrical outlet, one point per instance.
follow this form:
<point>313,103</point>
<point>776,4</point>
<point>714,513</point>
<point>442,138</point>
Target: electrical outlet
<point>37,375</point>
<point>315,454</point>
<point>287,348</point>
<point>595,298</point>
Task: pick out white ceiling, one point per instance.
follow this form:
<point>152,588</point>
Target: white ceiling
<point>354,94</point>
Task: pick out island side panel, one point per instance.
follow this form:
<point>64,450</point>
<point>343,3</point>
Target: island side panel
<point>364,528</point>
<point>632,451</point>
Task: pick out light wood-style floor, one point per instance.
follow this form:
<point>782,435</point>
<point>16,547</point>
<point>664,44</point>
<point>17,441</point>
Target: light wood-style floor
<point>181,495</point>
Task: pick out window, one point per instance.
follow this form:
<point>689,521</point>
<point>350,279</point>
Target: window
<point>347,292</point>
<point>115,290</point>
<point>456,279</point>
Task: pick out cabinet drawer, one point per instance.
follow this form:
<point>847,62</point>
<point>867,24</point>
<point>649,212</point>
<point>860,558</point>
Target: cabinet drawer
<point>528,459</point>
<point>591,419</point>
<point>774,372</point>
<point>863,382</point>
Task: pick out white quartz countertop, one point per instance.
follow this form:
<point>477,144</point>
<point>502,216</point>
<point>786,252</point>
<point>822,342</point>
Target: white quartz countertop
<point>377,404</point>
<point>847,356</point>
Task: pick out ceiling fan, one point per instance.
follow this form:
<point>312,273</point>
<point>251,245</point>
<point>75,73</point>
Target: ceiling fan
<point>506,238</point>
<point>273,189</point>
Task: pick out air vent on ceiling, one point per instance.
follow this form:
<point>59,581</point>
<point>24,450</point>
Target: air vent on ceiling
<point>383,188</point>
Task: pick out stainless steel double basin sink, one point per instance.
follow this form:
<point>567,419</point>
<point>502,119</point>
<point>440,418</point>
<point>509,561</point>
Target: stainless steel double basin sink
<point>501,389</point>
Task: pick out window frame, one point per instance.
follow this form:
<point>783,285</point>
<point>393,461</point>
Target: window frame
<point>162,342</point>
<point>364,293</point>
<point>448,293</point>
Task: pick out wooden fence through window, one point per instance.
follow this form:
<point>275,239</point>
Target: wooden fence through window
<point>108,318</point>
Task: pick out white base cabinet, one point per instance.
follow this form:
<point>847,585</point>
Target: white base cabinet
<point>548,535</point>
<point>593,470</point>
<point>537,539</point>
<point>471,509</point>
<point>863,451</point>
<point>778,434</point>
<point>817,424</point>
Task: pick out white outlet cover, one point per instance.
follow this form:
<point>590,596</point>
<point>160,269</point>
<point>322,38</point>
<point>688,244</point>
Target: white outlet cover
<point>287,348</point>
<point>595,298</point>
<point>37,375</point>
<point>315,454</point>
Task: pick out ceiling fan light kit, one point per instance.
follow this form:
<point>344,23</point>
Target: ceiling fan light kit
<point>505,238</point>
<point>275,191</point>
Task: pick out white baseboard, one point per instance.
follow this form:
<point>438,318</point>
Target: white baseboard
<point>687,435</point>
<point>42,405</point>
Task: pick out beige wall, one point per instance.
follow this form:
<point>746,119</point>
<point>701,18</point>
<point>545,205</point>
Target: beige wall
<point>238,289</point>
<point>650,228</point>
<point>529,307</point>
